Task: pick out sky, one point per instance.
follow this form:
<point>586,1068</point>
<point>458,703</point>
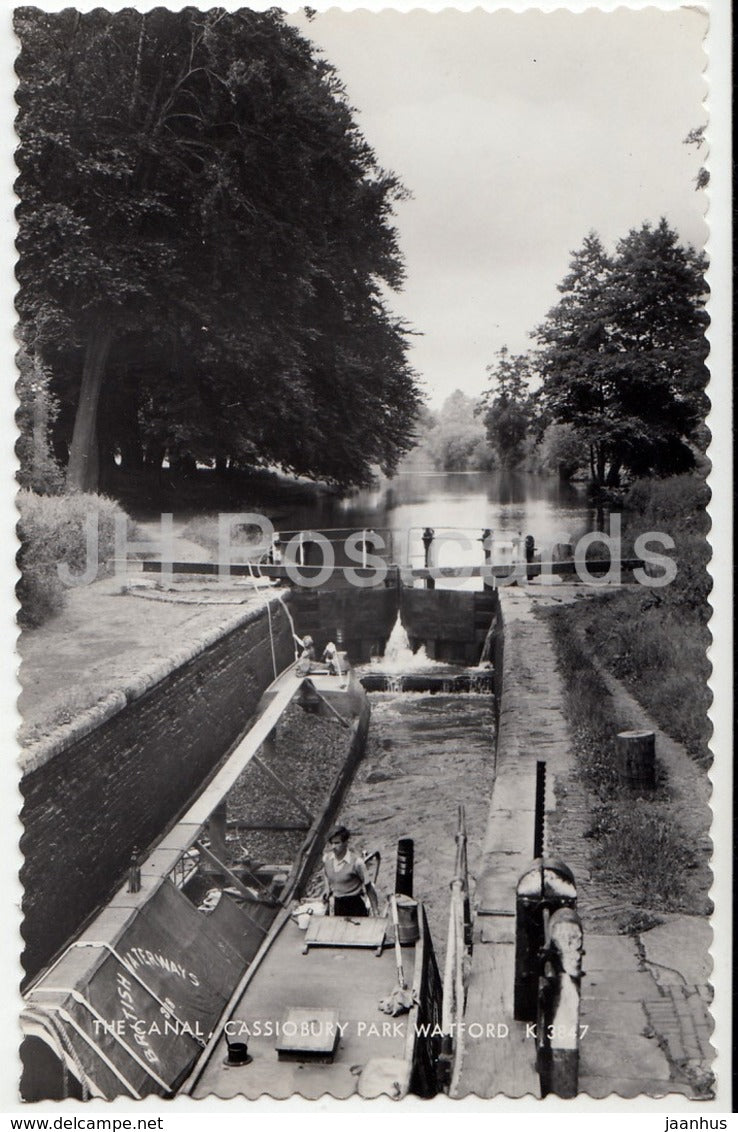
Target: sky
<point>517,134</point>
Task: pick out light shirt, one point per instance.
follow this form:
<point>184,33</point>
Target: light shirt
<point>346,876</point>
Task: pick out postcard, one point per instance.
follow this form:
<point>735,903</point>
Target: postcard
<point>371,403</point>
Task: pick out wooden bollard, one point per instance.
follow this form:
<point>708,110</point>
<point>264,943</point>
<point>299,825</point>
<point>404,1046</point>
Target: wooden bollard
<point>636,759</point>
<point>558,1006</point>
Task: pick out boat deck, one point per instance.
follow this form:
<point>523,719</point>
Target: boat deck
<point>347,980</point>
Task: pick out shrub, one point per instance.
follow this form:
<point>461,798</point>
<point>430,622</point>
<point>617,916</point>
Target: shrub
<point>53,529</point>
<point>679,500</point>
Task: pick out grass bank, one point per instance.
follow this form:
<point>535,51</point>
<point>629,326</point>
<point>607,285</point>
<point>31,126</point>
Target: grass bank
<point>639,846</point>
<point>654,640</point>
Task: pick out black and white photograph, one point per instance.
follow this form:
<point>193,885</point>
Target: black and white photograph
<point>370,406</point>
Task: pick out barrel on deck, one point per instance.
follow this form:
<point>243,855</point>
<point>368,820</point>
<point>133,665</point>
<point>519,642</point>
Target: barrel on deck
<point>408,928</point>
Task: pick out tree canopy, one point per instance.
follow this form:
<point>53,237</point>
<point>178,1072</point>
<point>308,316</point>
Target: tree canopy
<point>456,442</point>
<point>205,241</point>
<point>622,355</point>
<point>505,408</point>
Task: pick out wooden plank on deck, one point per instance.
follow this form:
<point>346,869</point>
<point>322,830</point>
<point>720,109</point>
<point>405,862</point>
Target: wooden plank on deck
<point>346,931</point>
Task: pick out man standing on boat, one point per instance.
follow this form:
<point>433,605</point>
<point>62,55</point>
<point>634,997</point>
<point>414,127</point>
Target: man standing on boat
<point>347,884</point>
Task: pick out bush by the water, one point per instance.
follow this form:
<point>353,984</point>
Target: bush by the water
<point>53,529</point>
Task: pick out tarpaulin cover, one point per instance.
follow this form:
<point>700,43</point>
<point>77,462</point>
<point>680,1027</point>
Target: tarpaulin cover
<point>189,964</point>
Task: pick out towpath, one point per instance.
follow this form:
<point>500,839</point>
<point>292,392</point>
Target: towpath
<point>644,997</point>
<point>116,627</point>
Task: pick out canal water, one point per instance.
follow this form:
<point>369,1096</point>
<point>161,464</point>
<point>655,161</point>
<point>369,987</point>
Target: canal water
<point>425,755</point>
<point>461,504</point>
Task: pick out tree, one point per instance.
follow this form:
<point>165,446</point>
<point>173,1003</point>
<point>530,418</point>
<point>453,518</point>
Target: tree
<point>37,410</point>
<point>458,443</point>
<point>696,137</point>
<point>504,406</point>
<point>204,238</point>
<point>622,355</point>
<point>561,450</point>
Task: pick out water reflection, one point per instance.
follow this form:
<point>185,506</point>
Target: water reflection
<point>506,502</point>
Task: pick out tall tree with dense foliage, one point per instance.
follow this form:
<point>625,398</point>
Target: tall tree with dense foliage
<point>457,442</point>
<point>504,407</point>
<point>204,238</point>
<point>622,355</point>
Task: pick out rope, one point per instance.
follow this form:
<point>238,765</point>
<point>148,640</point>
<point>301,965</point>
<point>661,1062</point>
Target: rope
<point>271,639</point>
<point>280,599</point>
<point>269,619</point>
<point>57,1028</point>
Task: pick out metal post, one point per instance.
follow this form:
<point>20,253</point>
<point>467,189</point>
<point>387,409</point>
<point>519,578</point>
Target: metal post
<point>543,888</point>
<point>540,810</point>
<point>428,536</point>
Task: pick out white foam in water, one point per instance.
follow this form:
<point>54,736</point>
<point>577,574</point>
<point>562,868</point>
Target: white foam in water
<point>399,657</point>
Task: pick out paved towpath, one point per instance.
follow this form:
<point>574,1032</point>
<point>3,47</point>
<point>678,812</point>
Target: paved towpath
<point>644,998</point>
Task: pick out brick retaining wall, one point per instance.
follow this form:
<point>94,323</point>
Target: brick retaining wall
<point>119,785</point>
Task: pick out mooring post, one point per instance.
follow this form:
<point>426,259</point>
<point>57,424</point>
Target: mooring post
<point>428,536</point>
<point>275,555</point>
<point>488,541</point>
<point>530,553</point>
<point>558,1005</point>
<point>636,759</point>
<point>134,872</point>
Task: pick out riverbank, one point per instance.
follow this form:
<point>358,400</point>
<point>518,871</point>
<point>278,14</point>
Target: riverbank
<point>649,852</point>
<point>645,993</point>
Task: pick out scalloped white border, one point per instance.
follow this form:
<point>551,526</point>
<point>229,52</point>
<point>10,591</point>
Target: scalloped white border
<point>719,219</point>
